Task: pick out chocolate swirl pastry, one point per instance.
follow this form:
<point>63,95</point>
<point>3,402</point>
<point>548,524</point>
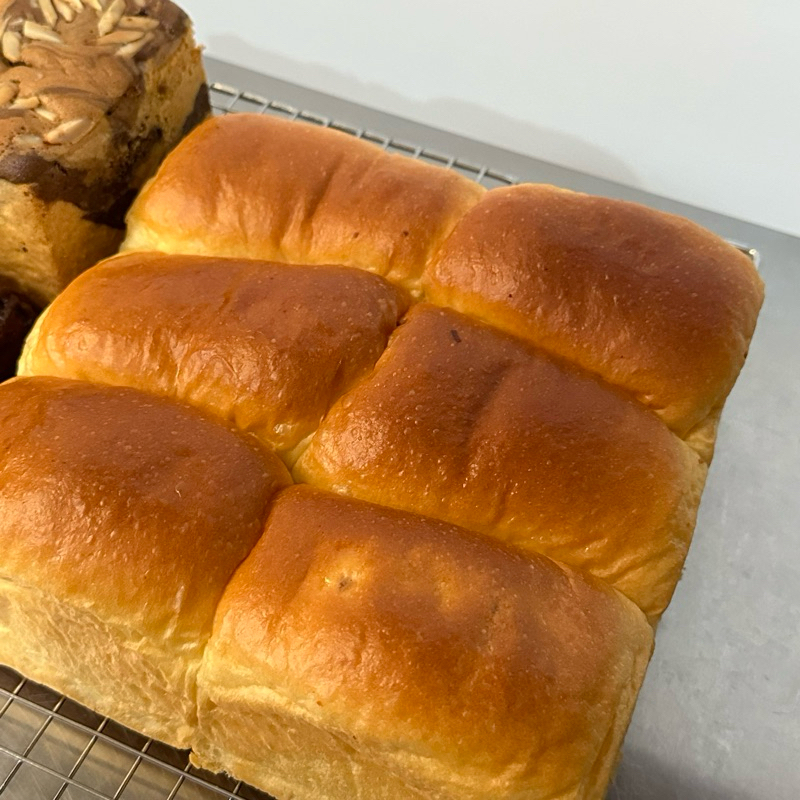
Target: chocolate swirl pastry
<point>93,94</point>
<point>17,315</point>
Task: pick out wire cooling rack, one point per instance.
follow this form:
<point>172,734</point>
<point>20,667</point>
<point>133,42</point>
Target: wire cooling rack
<point>227,99</point>
<point>51,748</point>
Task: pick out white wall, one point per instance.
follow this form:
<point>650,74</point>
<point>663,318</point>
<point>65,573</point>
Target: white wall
<point>698,100</point>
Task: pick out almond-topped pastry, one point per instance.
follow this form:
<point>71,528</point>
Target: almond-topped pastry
<point>93,94</point>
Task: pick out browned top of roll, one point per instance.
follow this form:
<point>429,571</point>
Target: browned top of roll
<point>267,347</point>
<point>439,651</point>
<point>470,425</point>
<point>260,187</point>
<point>651,302</point>
<point>125,504</point>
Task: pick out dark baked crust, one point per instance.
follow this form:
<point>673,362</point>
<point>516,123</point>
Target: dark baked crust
<point>17,315</point>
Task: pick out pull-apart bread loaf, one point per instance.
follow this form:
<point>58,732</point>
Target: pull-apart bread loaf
<point>506,428</point>
<point>122,518</point>
<point>93,94</point>
<point>366,652</point>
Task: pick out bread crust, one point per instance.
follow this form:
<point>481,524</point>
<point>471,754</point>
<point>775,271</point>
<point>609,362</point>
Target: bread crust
<point>297,193</point>
<point>122,517</point>
<point>266,347</point>
<point>414,654</point>
<point>464,423</point>
<point>648,301</point>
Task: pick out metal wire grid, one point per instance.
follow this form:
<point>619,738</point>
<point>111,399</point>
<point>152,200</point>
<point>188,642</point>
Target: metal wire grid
<point>51,748</point>
<point>226,99</point>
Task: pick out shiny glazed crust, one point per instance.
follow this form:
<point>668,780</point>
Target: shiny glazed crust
<point>366,652</point>
<point>300,194</point>
<point>112,564</point>
<point>464,423</point>
<point>265,347</point>
<point>647,301</point>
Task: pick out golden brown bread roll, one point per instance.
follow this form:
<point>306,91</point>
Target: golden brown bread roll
<point>256,187</point>
<point>365,652</point>
<point>470,425</point>
<point>266,347</point>
<point>92,97</point>
<point>646,300</point>
<point>122,518</point>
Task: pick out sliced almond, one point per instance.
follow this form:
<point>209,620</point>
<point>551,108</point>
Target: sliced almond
<point>138,23</point>
<point>120,37</point>
<point>48,12</point>
<point>3,25</point>
<point>68,132</point>
<point>27,140</point>
<point>25,103</point>
<point>110,17</point>
<point>46,114</point>
<point>11,44</point>
<point>66,11</point>
<point>40,33</point>
<point>77,5</point>
<point>8,91</point>
<point>130,50</point>
<point>95,4</point>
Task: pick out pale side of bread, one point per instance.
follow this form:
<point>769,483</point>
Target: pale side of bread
<point>122,518</point>
<point>365,652</point>
<point>464,423</point>
<point>264,346</point>
<point>300,194</point>
<point>649,301</point>
<point>62,203</point>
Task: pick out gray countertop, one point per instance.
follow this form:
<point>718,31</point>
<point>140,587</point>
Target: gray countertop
<point>719,714</point>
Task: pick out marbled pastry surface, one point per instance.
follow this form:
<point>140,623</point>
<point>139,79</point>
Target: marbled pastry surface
<point>92,96</point>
